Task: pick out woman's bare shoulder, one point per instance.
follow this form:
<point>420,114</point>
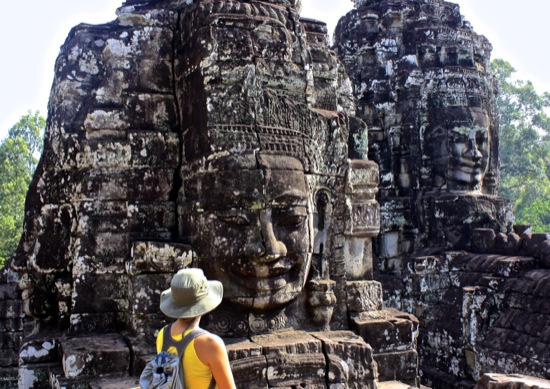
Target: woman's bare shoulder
<point>210,340</point>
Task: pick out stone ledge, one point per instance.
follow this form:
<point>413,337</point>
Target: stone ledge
<point>512,381</point>
<point>393,385</point>
<point>95,356</point>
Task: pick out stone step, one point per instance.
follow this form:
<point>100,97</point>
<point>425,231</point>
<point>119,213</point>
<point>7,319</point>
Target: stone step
<point>8,377</point>
<point>96,355</point>
<point>397,385</point>
<point>302,359</point>
<point>510,381</point>
<point>387,330</point>
<point>58,382</point>
<point>393,385</point>
<point>393,337</point>
<point>116,383</point>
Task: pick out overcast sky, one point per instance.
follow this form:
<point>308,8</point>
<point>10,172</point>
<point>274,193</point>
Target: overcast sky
<point>32,32</point>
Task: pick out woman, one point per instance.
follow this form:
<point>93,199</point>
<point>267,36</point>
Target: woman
<point>190,296</point>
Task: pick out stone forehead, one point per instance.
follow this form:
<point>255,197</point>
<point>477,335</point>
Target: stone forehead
<point>251,161</point>
<point>469,131</point>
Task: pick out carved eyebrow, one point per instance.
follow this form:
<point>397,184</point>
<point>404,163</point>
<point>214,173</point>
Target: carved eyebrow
<point>291,196</point>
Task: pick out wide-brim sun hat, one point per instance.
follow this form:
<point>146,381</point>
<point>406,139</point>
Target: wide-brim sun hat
<point>190,295</point>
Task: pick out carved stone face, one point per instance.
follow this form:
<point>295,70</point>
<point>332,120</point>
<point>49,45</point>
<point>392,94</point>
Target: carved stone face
<point>253,231</point>
<point>468,150</point>
<point>460,149</point>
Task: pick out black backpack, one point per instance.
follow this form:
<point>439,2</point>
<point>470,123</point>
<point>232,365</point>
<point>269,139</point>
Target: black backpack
<point>165,370</point>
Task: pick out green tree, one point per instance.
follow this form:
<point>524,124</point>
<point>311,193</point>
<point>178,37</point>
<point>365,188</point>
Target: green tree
<point>524,147</point>
<point>19,153</point>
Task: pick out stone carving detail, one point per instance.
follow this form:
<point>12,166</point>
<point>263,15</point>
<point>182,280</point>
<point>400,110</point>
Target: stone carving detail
<point>227,135</point>
<point>422,82</point>
<point>216,134</point>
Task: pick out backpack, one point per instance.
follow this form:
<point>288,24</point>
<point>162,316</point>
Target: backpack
<point>165,370</point>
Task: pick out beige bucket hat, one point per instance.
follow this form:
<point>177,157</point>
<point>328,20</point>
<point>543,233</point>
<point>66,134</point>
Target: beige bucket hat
<point>190,295</point>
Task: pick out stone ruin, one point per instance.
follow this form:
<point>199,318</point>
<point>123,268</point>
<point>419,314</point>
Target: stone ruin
<point>334,192</point>
<point>447,251</point>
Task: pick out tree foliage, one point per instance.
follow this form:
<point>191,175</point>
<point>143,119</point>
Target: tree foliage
<point>19,153</point>
<point>524,147</point>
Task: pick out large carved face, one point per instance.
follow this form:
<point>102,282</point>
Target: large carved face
<point>252,229</point>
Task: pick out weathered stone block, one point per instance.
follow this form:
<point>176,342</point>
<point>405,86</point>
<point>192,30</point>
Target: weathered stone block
<point>148,221</point>
<point>39,351</point>
<point>248,364</point>
<point>152,112</point>
<point>8,357</point>
<point>142,350</point>
<point>504,266</point>
<point>364,296</point>
<point>106,120</point>
<point>85,323</point>
<point>94,356</point>
<point>483,240</point>
<point>154,75</point>
<point>36,375</point>
<point>144,292</point>
<point>10,340</point>
<point>534,244</point>
<point>544,256</point>
<point>8,377</point>
<point>398,366</point>
<point>387,330</point>
<point>11,309</point>
<point>129,16</point>
<point>350,359</point>
<point>294,358</point>
<point>98,293</point>
<point>9,291</point>
<point>143,184</point>
<point>155,149</point>
<point>147,325</point>
<point>15,324</point>
<point>358,257</point>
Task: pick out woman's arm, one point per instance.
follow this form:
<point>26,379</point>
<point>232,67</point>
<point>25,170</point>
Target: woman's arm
<point>212,352</point>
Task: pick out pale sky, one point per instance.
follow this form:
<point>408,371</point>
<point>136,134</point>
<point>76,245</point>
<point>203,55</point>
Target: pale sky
<point>32,32</point>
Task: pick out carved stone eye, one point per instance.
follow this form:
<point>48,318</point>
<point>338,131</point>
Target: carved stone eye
<point>292,221</point>
<point>235,219</point>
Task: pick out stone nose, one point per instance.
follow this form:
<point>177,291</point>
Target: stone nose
<point>272,248</point>
<point>472,150</point>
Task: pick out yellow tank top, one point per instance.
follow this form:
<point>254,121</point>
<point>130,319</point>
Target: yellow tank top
<point>197,374</point>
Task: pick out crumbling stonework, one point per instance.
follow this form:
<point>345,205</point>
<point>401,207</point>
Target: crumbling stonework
<point>11,323</point>
<point>227,135</point>
<point>423,85</point>
<point>213,134</point>
<point>503,381</point>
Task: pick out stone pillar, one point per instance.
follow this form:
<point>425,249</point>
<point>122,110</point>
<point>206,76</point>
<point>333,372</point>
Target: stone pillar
<point>362,219</point>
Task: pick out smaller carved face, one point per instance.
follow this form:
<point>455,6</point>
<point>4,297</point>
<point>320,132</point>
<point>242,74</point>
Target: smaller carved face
<point>468,151</point>
<point>460,150</point>
<point>469,155</point>
<point>253,231</point>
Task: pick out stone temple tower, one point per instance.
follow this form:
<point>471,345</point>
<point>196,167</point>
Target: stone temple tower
<point>422,83</point>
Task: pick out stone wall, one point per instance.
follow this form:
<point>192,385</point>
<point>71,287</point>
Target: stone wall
<point>161,118</point>
<point>422,82</point>
<point>12,324</point>
<point>213,134</point>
